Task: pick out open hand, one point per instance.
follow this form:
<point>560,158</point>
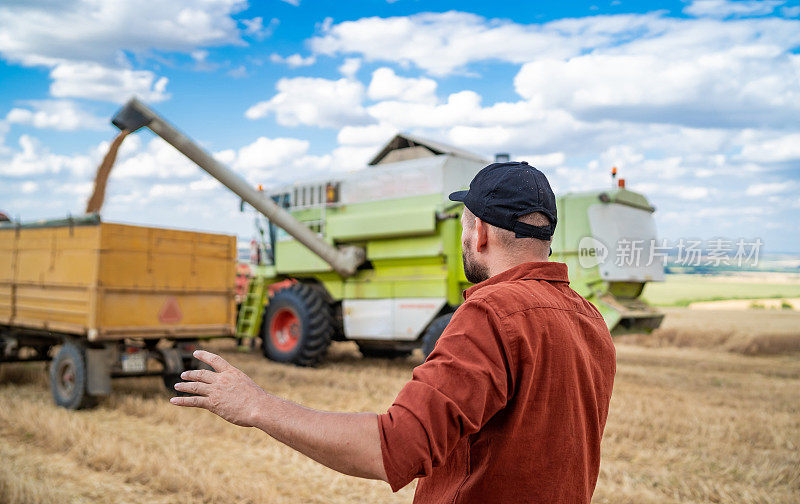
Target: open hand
<point>228,392</point>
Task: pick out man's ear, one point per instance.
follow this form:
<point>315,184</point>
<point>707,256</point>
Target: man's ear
<point>482,232</point>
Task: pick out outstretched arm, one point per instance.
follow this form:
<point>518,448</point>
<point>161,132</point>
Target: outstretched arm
<point>345,442</point>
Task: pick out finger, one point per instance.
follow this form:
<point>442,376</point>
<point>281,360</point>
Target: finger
<point>213,360</point>
<point>191,401</point>
<point>199,375</point>
<point>197,388</point>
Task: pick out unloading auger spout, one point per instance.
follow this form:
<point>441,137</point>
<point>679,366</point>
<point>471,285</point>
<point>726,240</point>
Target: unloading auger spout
<point>135,115</point>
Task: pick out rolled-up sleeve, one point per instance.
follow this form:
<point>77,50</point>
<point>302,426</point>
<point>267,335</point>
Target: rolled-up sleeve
<point>462,384</point>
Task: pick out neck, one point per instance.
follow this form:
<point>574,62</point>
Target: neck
<point>505,263</point>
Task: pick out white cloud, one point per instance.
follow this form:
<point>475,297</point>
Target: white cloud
<point>519,127</point>
<point>77,188</point>
<point>98,82</point>
<point>167,191</point>
<point>156,160</point>
<point>204,184</point>
<point>689,192</point>
<point>727,8</point>
<point>622,156</point>
<point>775,149</point>
<point>61,115</point>
<point>296,3</point>
<point>349,158</point>
<point>771,188</point>
<point>460,108</point>
<point>350,67</point>
<point>270,153</point>
<point>33,159</point>
<point>4,127</point>
<point>277,161</point>
<point>255,27</point>
<point>238,73</point>
<point>314,102</point>
<point>199,55</point>
<point>542,161</point>
<point>442,43</point>
<point>386,84</point>
<point>640,68</point>
<point>725,88</point>
<point>84,42</point>
<point>294,60</point>
<point>28,187</point>
<point>36,33</point>
<point>371,135</point>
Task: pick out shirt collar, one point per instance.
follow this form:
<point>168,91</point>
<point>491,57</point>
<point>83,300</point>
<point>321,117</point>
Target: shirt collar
<point>537,270</point>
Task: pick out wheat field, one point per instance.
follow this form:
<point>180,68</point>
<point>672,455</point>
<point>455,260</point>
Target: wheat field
<point>686,425</point>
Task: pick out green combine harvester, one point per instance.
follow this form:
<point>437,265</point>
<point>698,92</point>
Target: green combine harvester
<point>374,256</point>
<point>404,294</point>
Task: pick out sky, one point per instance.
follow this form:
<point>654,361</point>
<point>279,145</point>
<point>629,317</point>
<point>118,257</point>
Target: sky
<point>697,103</point>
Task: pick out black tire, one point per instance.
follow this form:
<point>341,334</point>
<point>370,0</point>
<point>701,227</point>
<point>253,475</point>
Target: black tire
<point>297,326</point>
<point>69,377</point>
<point>170,380</point>
<point>382,352</point>
<point>435,329</point>
<point>188,364</point>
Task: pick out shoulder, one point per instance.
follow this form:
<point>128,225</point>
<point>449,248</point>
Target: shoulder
<point>511,297</point>
<point>507,298</point>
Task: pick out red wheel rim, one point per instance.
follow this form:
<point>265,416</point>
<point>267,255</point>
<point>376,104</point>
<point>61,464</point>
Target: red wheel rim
<point>284,330</point>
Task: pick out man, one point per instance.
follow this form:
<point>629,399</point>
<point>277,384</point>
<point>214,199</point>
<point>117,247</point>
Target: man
<point>511,404</point>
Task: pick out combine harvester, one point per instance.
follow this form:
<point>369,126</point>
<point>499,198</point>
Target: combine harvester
<point>375,256</point>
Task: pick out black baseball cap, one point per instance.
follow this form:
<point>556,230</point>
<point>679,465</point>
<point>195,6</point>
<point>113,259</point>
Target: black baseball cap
<point>503,192</point>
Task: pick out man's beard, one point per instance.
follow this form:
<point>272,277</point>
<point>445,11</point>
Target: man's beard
<point>475,273</point>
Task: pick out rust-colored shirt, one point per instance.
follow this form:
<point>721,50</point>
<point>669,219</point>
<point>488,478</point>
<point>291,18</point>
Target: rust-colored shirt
<point>510,405</point>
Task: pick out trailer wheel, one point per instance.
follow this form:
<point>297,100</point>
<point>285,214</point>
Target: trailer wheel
<point>297,326</point>
<point>435,330</point>
<point>69,376</point>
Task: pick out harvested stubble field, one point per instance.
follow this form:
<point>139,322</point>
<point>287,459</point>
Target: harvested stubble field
<point>686,425</point>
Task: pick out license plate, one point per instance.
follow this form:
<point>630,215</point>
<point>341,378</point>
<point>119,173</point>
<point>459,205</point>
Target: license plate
<point>134,363</point>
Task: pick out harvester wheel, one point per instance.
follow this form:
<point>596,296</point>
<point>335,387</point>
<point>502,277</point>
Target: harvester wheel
<point>170,380</point>
<point>382,352</point>
<point>189,363</point>
<point>297,326</point>
<point>69,376</point>
<point>435,330</point>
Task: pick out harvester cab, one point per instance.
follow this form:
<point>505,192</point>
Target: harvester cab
<point>374,256</point>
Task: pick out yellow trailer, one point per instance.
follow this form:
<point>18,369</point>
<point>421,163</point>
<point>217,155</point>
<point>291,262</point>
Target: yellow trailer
<point>112,295</point>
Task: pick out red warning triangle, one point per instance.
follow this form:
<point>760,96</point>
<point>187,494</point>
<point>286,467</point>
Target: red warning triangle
<point>170,312</point>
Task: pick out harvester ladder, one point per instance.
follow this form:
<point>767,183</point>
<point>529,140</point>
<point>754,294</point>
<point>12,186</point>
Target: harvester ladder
<point>251,313</point>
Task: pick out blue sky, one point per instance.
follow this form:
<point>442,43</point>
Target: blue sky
<point>697,103</point>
